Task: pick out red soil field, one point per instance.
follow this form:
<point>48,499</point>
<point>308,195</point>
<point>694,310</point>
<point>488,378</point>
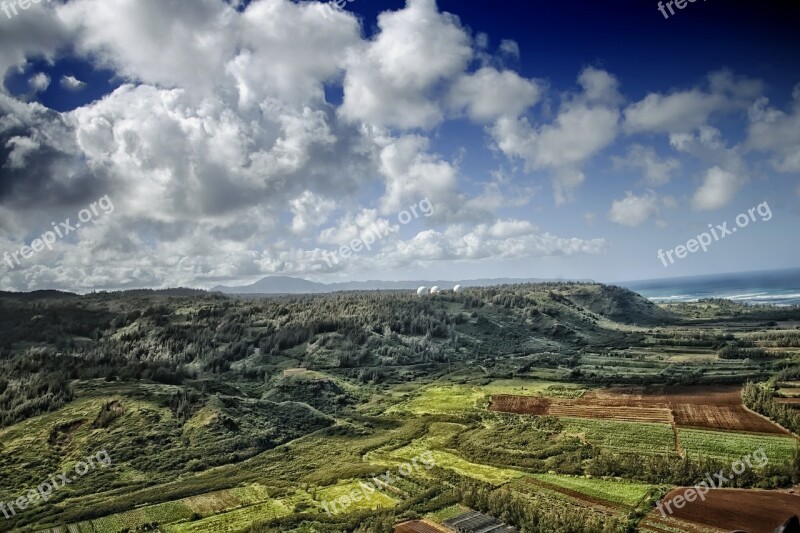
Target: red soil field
<point>754,511</point>
<point>631,414</point>
<point>733,418</point>
<point>716,407</point>
<point>521,405</point>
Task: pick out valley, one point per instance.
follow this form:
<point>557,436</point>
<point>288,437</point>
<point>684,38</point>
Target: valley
<point>553,406</point>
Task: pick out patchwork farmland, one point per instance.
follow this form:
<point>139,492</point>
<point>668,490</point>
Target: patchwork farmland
<point>725,510</point>
<point>718,407</point>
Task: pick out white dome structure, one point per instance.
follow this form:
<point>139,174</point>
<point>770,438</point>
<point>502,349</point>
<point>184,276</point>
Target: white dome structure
<point>435,289</point>
<point>458,289</point>
<point>422,291</point>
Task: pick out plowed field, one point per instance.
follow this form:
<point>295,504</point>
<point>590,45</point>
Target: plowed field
<point>718,407</point>
<point>754,511</point>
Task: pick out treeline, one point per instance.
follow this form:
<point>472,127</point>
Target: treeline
<point>31,384</point>
<point>778,338</point>
<point>760,399</point>
<point>735,352</point>
<point>685,471</point>
<point>533,513</point>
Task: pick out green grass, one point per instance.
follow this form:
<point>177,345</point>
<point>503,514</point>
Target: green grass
<point>453,399</point>
<point>623,436</point>
<point>237,520</point>
<point>169,512</point>
<point>619,492</point>
<point>446,513</point>
<point>442,400</point>
<point>163,513</point>
<point>733,446</point>
<point>222,500</point>
<point>373,500</point>
<point>489,474</point>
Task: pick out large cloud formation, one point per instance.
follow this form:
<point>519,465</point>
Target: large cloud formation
<point>227,158</point>
<point>223,155</point>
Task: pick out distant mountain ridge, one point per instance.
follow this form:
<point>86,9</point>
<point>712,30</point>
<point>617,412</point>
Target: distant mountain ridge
<point>290,285</point>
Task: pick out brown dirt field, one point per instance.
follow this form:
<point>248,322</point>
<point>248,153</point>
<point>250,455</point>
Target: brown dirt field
<point>754,511</point>
<point>716,407</point>
<point>522,405</point>
<point>733,418</point>
<point>660,395</point>
<point>632,414</point>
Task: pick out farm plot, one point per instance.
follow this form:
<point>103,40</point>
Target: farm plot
<point>175,511</point>
<point>637,437</point>
<point>237,520</point>
<point>374,500</point>
<point>522,405</point>
<point>622,493</point>
<point>628,414</point>
<point>755,511</point>
<point>727,417</point>
<point>162,513</point>
<point>533,486</point>
<point>717,407</point>
<point>448,399</point>
<point>733,446</point>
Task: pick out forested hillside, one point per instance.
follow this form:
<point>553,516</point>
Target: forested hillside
<point>181,387</point>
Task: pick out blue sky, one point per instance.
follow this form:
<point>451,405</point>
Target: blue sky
<point>572,139</point>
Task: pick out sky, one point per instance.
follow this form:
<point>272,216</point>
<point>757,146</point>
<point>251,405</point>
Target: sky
<point>163,143</point>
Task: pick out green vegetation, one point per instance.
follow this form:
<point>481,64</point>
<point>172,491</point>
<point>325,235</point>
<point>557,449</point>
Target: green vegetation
<point>733,446</point>
<point>234,414</point>
<point>623,436</point>
<point>620,492</point>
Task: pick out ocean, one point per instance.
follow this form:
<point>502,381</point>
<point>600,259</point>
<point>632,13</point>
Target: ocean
<point>777,287</point>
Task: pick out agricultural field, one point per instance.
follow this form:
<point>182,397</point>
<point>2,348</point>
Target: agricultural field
<point>585,430</point>
<point>613,491</point>
<point>701,407</point>
<point>725,510</point>
<point>732,446</point>
<point>195,507</point>
<point>232,521</point>
<point>445,399</point>
<point>623,436</point>
<point>374,500</point>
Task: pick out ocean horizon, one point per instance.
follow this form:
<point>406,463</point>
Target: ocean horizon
<point>775,287</point>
